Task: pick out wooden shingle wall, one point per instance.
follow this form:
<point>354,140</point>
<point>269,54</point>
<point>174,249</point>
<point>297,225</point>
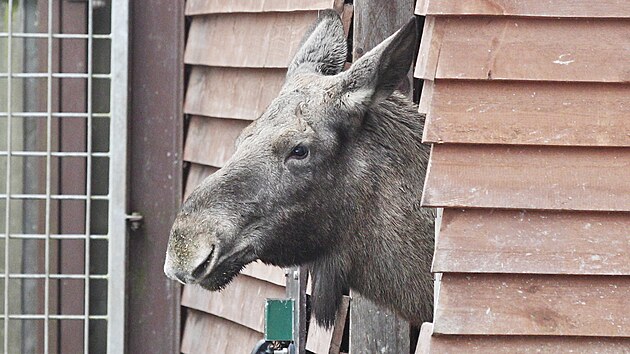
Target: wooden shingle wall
<point>528,111</point>
<point>238,52</point>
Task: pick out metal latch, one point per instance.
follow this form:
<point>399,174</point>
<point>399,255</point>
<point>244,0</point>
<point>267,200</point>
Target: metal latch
<point>135,221</point>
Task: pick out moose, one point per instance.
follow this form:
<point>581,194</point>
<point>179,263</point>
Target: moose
<point>329,177</point>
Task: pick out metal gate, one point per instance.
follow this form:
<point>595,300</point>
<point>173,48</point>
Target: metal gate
<point>63,146</point>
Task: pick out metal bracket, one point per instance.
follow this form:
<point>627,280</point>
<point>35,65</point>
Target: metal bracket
<point>135,221</point>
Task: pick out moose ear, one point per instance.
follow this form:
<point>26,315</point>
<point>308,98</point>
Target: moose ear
<point>376,75</point>
<point>323,49</point>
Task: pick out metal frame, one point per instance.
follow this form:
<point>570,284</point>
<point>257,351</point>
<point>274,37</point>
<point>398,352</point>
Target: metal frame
<point>118,176</point>
<point>117,192</point>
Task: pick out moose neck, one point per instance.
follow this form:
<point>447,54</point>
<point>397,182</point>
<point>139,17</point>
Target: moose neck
<point>388,245</point>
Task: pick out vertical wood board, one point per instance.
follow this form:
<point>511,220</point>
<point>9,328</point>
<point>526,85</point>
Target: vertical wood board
<point>376,329</point>
<point>529,8</point>
<point>424,339</point>
<point>253,40</point>
<point>512,304</point>
<point>373,329</point>
<point>237,93</point>
<point>328,341</point>
<point>528,177</point>
<point>429,51</point>
<point>533,241</point>
<point>536,113</point>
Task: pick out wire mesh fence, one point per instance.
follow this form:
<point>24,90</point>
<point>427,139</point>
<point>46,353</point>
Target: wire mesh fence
<point>62,145</point>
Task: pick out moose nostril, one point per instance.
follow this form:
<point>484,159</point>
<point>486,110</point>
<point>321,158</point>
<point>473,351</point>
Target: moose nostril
<point>201,269</point>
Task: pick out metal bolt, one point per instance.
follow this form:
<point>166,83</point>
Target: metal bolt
<point>135,220</point>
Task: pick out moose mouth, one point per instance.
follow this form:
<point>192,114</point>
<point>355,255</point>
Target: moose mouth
<point>217,271</point>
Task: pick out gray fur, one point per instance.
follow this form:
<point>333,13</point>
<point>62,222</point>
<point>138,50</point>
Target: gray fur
<point>349,211</point>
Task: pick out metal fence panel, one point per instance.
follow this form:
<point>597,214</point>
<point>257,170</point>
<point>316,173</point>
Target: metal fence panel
<point>63,152</point>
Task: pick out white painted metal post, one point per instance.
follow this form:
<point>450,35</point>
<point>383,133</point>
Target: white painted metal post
<point>118,176</point>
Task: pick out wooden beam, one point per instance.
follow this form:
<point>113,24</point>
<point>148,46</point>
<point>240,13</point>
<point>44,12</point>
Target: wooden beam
<point>372,328</point>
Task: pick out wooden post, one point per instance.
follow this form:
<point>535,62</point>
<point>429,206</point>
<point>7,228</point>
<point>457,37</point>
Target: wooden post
<point>372,328</point>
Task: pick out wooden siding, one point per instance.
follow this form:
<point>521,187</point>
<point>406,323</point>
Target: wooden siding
<point>237,93</point>
<point>454,344</point>
<point>245,305</point>
<point>196,174</point>
<point>203,334</point>
<point>506,48</point>
<point>528,177</point>
<point>263,40</point>
<point>211,141</point>
<point>529,8</point>
<point>533,241</point>
<point>527,111</point>
<point>510,304</point>
<point>205,7</point>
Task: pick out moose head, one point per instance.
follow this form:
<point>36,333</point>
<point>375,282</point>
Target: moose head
<point>306,176</point>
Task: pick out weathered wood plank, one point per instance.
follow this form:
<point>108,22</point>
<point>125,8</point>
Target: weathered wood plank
<point>237,93</point>
<point>512,304</point>
<point>445,344</point>
<point>511,48</point>
<point>263,40</point>
<point>456,344</point>
<point>205,333</point>
<point>532,8</point>
<point>424,339</point>
<point>539,113</point>
<point>203,7</point>
<point>528,177</point>
<point>540,242</point>
<point>242,302</point>
<point>268,273</point>
<point>210,141</point>
<point>196,175</point>
<point>426,98</point>
<point>429,51</point>
<point>374,329</point>
<point>321,340</point>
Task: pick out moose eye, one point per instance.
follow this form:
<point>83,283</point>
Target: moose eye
<point>299,152</point>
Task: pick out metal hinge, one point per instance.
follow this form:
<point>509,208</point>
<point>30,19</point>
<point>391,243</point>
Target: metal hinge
<point>135,221</point>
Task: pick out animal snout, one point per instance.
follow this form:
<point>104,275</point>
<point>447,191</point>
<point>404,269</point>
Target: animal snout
<point>189,271</point>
